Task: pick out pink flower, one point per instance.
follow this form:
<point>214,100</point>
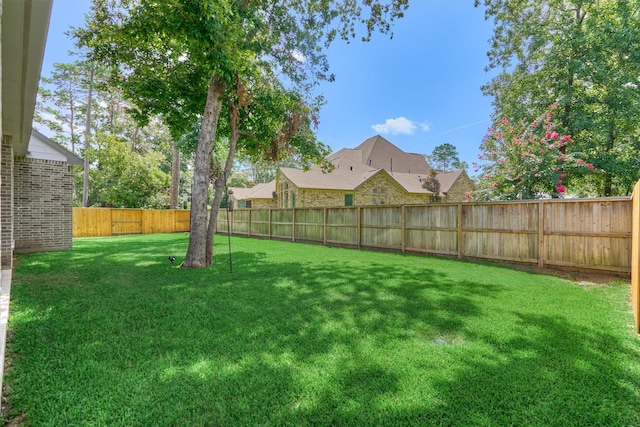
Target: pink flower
<point>535,123</point>
<point>468,195</point>
<point>561,189</point>
<point>495,185</point>
<point>566,137</point>
<point>505,120</point>
<point>554,135</point>
<point>590,166</point>
<point>559,182</point>
<point>562,175</point>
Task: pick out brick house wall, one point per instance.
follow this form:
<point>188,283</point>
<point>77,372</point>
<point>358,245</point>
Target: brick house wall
<point>286,190</point>
<point>264,204</point>
<point>43,192</point>
<point>379,189</point>
<point>6,203</point>
<point>459,189</point>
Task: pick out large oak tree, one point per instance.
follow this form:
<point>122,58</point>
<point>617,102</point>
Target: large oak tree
<point>193,60</point>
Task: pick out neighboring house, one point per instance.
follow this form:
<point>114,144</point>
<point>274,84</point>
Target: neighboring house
<point>24,26</point>
<point>261,196</point>
<point>374,173</point>
<point>42,196</point>
<point>455,186</point>
<point>355,185</point>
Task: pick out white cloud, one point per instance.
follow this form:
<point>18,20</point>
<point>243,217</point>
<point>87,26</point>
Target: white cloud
<point>424,126</point>
<point>401,125</point>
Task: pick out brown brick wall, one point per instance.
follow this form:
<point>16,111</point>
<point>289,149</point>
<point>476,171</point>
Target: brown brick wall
<point>42,205</point>
<point>362,196</point>
<point>264,204</point>
<point>6,203</point>
<point>393,193</point>
<point>459,189</point>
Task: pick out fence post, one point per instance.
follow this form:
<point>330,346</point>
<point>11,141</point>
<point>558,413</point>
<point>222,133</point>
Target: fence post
<point>325,214</point>
<point>541,242</point>
<point>460,237</point>
<point>403,222</point>
<point>293,226</point>
<point>359,227</point>
<point>635,255</point>
<point>269,223</point>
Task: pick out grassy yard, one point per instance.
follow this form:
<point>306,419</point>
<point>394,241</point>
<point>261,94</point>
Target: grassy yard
<point>110,334</point>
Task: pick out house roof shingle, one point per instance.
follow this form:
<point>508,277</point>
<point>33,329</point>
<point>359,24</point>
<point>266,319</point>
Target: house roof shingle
<point>259,191</point>
<point>379,153</point>
<point>352,169</point>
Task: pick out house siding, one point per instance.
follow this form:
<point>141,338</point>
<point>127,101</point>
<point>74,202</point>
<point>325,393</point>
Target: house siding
<point>42,205</point>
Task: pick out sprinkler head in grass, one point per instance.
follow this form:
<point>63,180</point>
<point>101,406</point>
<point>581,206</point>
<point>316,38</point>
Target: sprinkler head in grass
<point>172,259</point>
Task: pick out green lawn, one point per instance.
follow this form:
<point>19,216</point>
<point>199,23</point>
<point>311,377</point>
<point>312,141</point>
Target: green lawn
<point>109,334</point>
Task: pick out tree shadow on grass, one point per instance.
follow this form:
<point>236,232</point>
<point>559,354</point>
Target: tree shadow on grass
<point>304,342</point>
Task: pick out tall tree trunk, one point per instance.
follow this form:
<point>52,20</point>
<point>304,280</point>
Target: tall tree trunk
<point>175,175</point>
<point>196,256</point>
<point>221,181</point>
<point>87,138</point>
<point>608,175</point>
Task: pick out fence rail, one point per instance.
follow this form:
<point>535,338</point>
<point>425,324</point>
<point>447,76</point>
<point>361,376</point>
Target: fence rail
<point>600,234</point>
<point>588,234</point>
<point>98,222</point>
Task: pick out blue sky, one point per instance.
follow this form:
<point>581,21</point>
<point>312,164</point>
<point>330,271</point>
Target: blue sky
<point>419,89</point>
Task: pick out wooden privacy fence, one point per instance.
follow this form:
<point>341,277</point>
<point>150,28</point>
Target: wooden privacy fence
<point>590,234</point>
<point>96,222</point>
<point>635,256</point>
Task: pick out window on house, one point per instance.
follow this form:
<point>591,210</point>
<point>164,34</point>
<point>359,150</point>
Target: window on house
<point>379,197</point>
<point>286,199</point>
<point>247,204</point>
<point>293,200</point>
<point>348,199</point>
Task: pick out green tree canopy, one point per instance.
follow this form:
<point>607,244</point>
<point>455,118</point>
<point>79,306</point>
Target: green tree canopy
<point>197,61</point>
<point>445,157</point>
<point>584,56</point>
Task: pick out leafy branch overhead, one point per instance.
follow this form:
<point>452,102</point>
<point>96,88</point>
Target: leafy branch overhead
<point>241,69</point>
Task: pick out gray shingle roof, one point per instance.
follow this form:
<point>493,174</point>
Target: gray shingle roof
<point>259,191</point>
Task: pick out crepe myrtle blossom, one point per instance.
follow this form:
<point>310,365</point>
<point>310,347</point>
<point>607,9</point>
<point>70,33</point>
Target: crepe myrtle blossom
<point>522,160</point>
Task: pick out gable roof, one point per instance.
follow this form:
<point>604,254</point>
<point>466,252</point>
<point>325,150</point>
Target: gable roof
<point>259,191</point>
<point>53,151</point>
<point>378,152</point>
<point>341,178</point>
<point>348,179</point>
<point>447,179</point>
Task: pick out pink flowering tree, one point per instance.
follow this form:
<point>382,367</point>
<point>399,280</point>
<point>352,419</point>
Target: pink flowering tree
<point>521,160</point>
